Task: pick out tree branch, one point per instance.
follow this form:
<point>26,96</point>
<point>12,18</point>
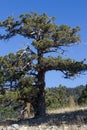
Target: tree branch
<point>67,66</point>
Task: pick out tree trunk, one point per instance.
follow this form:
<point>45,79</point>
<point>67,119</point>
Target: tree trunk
<point>39,104</point>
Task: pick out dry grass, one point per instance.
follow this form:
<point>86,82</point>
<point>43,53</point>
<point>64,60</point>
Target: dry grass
<point>61,119</point>
<point>67,109</point>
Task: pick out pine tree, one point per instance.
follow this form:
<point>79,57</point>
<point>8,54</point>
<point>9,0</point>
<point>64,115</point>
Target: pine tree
<point>46,38</point>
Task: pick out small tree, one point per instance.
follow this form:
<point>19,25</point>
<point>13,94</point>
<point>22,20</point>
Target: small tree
<point>47,38</point>
<point>56,97</point>
<point>83,98</point>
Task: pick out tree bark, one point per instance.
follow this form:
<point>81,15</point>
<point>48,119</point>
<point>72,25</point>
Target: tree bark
<point>39,103</point>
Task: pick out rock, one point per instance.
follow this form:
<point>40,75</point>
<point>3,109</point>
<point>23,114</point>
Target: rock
<point>12,127</point>
<point>23,128</point>
<point>8,128</point>
<point>15,127</point>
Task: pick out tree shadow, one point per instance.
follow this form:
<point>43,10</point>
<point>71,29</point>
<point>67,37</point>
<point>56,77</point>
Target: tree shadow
<point>70,118</point>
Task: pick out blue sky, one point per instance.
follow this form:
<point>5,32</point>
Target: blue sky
<point>70,12</point>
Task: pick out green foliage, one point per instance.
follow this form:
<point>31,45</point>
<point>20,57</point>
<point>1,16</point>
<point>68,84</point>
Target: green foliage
<point>8,113</point>
<point>62,96</point>
<point>9,96</point>
<point>56,97</point>
<point>83,98</point>
<point>27,92</point>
